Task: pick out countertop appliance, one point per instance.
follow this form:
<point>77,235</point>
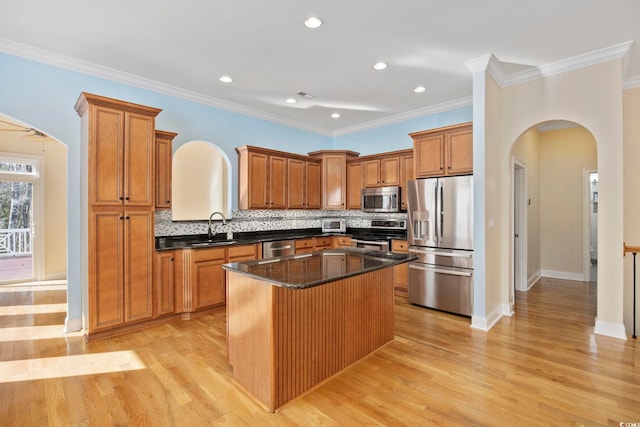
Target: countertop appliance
<point>278,248</point>
<point>381,199</point>
<point>379,235</point>
<point>334,225</point>
<point>440,232</point>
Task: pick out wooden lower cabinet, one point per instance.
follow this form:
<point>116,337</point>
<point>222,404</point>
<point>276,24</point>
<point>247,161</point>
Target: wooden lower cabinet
<point>341,241</point>
<point>168,282</point>
<point>305,245</point>
<point>400,272</point>
<point>120,273</point>
<point>207,278</point>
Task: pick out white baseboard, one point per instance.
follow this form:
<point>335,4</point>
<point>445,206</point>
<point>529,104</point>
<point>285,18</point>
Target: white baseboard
<point>60,275</point>
<point>613,330</point>
<point>533,279</point>
<point>486,323</point>
<point>72,325</point>
<point>563,275</point>
<point>508,310</point>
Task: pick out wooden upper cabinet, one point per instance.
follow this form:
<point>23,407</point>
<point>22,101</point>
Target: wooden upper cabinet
<point>406,174</point>
<point>277,182</point>
<point>270,179</point>
<point>164,141</point>
<point>334,177</point>
<point>354,184</point>
<point>389,171</point>
<point>443,151</point>
<point>296,187</point>
<point>459,153</point>
<point>120,141</point>
<point>257,187</point>
<point>313,184</point>
<point>371,173</point>
<point>303,189</point>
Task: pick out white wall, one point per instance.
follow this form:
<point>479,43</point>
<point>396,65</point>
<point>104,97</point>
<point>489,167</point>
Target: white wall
<point>631,192</point>
<point>591,97</point>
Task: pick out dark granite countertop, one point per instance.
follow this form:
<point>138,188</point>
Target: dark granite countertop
<point>202,240</point>
<point>313,269</point>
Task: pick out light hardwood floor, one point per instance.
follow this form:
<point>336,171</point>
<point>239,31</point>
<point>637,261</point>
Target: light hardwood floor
<point>543,366</point>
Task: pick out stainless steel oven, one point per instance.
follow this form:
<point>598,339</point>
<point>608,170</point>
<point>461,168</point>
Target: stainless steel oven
<point>376,245</point>
<point>378,237</point>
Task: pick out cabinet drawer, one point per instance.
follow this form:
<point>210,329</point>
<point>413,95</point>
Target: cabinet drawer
<point>304,243</point>
<point>242,251</point>
<point>399,246</point>
<point>209,254</point>
<point>343,241</point>
<point>323,241</point>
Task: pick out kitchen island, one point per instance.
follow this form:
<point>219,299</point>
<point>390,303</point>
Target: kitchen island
<point>295,321</point>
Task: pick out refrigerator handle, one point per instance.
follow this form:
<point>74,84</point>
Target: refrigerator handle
<point>441,208</point>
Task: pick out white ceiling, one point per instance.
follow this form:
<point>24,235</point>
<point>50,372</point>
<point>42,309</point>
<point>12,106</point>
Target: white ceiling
<point>183,47</point>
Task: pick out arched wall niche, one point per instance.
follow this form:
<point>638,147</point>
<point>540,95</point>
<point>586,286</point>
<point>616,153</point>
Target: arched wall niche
<point>201,181</point>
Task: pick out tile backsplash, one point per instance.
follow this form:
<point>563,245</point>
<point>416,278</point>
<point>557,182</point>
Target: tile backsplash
<point>265,220</point>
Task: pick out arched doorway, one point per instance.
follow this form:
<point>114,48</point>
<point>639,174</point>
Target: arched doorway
<point>42,164</point>
<point>557,154</point>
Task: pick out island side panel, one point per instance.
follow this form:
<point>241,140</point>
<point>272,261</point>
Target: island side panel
<point>250,336</point>
<point>320,331</point>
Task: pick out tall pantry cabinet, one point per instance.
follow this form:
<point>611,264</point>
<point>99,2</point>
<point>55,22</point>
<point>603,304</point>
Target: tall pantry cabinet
<point>118,147</point>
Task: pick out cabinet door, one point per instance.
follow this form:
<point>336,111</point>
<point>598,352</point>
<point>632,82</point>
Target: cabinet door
<point>296,188</point>
<point>208,278</point>
<point>406,174</point>
<point>257,182</point>
<point>105,272</point>
<point>400,272</point>
<point>277,182</point>
<point>429,155</point>
<point>390,171</point>
<point>371,173</point>
<point>106,156</point>
<point>139,149</point>
<point>313,185</point>
<point>138,273</point>
<point>335,182</point>
<point>163,172</point>
<point>354,185</point>
<point>460,151</point>
<point>165,283</point>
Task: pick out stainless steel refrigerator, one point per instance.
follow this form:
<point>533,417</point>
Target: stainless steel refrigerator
<point>440,232</point>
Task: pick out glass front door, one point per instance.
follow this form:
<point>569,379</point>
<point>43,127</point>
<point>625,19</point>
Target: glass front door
<point>17,237</point>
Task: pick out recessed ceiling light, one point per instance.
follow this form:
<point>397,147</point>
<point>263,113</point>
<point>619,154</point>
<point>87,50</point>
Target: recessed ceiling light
<point>380,65</point>
<point>335,115</point>
<point>226,79</point>
<point>419,89</point>
<point>313,22</point>
<point>291,101</point>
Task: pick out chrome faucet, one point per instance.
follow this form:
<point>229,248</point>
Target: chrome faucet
<point>224,222</point>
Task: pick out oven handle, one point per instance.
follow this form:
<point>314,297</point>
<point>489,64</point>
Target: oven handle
<point>441,271</point>
<point>449,254</point>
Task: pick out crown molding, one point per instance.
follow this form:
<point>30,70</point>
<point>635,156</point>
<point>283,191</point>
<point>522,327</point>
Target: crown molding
<point>631,82</point>
<point>414,114</point>
<point>73,64</point>
<point>569,64</point>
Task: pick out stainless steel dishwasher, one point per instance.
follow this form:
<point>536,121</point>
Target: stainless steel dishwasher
<point>278,248</point>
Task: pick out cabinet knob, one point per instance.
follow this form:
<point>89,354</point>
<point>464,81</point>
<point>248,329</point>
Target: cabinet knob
<point>171,259</point>
<point>121,217</point>
<point>127,217</point>
<point>168,201</point>
<point>126,198</point>
<point>120,198</point>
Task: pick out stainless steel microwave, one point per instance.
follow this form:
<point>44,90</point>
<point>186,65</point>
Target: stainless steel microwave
<point>382,199</point>
<point>334,225</point>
